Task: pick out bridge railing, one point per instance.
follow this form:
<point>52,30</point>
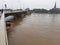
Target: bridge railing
<point>3,31</point>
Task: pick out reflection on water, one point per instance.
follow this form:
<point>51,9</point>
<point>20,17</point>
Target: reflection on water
<point>36,29</point>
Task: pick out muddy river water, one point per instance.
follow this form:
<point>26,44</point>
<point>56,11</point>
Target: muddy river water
<point>36,29</point>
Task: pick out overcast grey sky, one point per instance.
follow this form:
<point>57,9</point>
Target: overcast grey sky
<point>13,4</point>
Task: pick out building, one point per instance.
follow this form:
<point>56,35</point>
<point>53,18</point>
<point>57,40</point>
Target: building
<point>55,9</point>
<point>55,6</point>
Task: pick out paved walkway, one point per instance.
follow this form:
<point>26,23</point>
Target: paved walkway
<point>3,33</point>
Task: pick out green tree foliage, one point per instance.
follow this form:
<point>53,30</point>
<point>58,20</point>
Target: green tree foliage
<point>56,11</point>
<point>40,11</point>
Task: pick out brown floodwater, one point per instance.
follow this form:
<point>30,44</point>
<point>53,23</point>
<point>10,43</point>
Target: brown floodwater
<point>36,29</point>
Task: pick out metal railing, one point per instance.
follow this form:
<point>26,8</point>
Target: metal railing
<point>3,31</point>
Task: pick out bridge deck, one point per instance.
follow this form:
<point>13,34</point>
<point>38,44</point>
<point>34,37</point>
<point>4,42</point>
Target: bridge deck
<point>3,33</point>
<point>15,12</point>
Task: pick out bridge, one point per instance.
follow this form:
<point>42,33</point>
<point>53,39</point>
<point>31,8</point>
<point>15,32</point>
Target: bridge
<point>15,13</point>
<point>3,31</point>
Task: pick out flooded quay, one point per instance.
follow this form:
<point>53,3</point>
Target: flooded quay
<point>35,29</point>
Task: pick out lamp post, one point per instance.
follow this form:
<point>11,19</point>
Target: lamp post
<point>5,6</point>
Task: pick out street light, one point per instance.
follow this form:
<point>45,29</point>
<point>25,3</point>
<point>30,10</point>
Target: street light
<point>5,6</point>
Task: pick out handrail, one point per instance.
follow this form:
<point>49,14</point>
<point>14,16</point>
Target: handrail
<point>3,35</point>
